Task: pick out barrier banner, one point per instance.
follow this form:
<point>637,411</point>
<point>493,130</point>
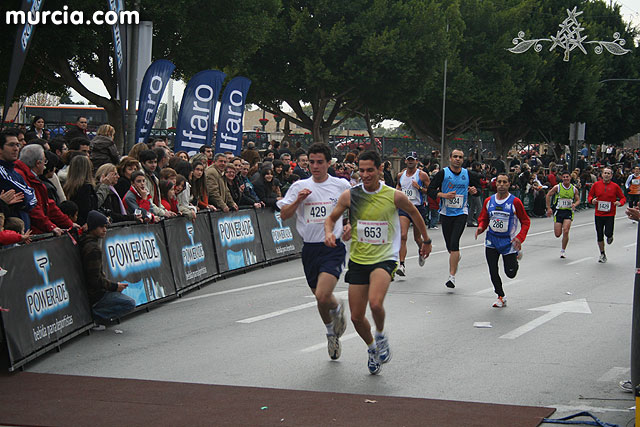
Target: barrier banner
<point>44,295</point>
<point>153,85</point>
<point>191,249</point>
<point>138,256</point>
<point>229,132</point>
<point>197,110</point>
<point>279,238</point>
<point>237,239</point>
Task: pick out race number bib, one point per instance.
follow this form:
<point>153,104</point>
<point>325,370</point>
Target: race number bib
<point>411,193</point>
<point>455,203</point>
<point>374,232</point>
<point>317,212</point>
<point>635,181</point>
<point>564,203</point>
<point>604,206</point>
<point>499,222</point>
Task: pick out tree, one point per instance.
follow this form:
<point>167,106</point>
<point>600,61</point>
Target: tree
<point>351,55</point>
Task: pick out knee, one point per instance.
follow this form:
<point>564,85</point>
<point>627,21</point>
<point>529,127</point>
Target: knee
<point>323,298</point>
<point>403,237</point>
<point>376,306</point>
<point>357,318</point>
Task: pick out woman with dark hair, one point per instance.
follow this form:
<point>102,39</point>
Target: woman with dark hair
<point>199,187</point>
<point>267,188</point>
<point>168,196</point>
<point>80,187</point>
<point>37,130</point>
<point>237,190</point>
<point>126,167</point>
<point>388,176</point>
<point>182,155</point>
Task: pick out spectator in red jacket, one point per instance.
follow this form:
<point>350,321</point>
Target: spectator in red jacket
<point>10,237</point>
<point>45,217</point>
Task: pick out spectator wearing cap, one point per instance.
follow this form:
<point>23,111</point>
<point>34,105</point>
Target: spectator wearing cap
<point>45,216</point>
<point>105,296</point>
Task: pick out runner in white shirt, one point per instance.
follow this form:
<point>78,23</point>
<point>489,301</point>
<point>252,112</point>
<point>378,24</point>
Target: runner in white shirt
<point>313,200</point>
<point>413,183</point>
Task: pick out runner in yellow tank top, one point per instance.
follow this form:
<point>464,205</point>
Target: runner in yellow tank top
<point>375,236</point>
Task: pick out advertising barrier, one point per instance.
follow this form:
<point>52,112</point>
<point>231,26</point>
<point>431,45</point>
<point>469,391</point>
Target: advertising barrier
<point>43,294</point>
<point>138,256</point>
<point>237,239</point>
<point>191,250</point>
<point>279,238</point>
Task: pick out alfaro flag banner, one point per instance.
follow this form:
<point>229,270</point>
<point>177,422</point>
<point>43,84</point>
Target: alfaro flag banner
<point>237,239</point>
<point>195,121</point>
<point>192,252</point>
<point>44,295</point>
<point>153,86</point>
<point>138,256</point>
<point>23,39</point>
<point>120,50</point>
<point>229,132</point>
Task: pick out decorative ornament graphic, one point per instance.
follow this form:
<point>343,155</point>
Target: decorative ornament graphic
<point>568,38</point>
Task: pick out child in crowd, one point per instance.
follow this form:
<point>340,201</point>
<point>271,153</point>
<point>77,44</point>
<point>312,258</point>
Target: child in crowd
<point>168,195</point>
<point>70,209</point>
<point>12,236</point>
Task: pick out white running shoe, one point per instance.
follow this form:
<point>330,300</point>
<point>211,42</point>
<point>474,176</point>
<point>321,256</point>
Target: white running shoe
<point>626,386</point>
<point>373,363</point>
<point>382,347</point>
<point>337,318</point>
<point>333,345</point>
<point>562,254</point>
<point>500,303</point>
<point>603,258</point>
<point>421,260</point>
<point>401,271</point>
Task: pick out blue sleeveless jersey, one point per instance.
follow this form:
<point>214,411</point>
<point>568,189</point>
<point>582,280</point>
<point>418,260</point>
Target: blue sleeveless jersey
<point>503,224</point>
<point>459,183</point>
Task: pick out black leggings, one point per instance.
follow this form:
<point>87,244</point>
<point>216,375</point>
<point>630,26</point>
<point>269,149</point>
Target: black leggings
<point>510,262</point>
<point>604,227</point>
<point>452,229</point>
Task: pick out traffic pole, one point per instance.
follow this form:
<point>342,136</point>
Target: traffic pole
<point>635,332</point>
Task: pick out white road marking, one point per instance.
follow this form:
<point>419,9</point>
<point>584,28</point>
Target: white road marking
<point>554,310</point>
<point>324,344</point>
<point>504,285</point>
<point>579,408</point>
<point>277,313</point>
<point>628,246</point>
<point>229,291</point>
<point>615,373</point>
<point>580,260</point>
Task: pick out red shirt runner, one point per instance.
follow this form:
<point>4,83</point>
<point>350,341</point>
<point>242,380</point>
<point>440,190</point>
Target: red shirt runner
<point>606,195</point>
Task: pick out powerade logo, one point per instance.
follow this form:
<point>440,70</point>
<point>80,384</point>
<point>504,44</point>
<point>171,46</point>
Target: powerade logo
<point>281,234</point>
<point>131,254</point>
<point>194,253</point>
<point>48,298</point>
<point>235,230</point>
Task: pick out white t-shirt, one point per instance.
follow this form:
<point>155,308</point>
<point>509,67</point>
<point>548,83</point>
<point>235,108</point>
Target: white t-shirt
<point>312,212</point>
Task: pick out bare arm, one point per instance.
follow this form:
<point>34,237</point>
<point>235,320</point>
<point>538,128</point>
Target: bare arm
<point>344,202</point>
<point>402,202</point>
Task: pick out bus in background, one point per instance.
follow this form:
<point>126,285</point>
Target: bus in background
<point>59,117</point>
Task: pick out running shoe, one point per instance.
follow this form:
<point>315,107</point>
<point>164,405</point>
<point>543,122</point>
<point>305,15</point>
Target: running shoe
<point>421,260</point>
<point>333,345</point>
<point>451,283</point>
<point>435,227</point>
<point>400,270</point>
<point>337,318</point>
<point>609,240</point>
<point>373,363</point>
<point>501,302</point>
<point>562,255</point>
<point>99,328</point>
<point>603,258</point>
<point>626,386</point>
<point>382,347</point>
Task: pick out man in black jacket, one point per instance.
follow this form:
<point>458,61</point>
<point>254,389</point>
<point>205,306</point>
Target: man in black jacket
<point>105,296</point>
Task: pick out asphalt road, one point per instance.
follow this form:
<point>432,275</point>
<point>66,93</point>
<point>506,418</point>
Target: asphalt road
<point>562,341</point>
